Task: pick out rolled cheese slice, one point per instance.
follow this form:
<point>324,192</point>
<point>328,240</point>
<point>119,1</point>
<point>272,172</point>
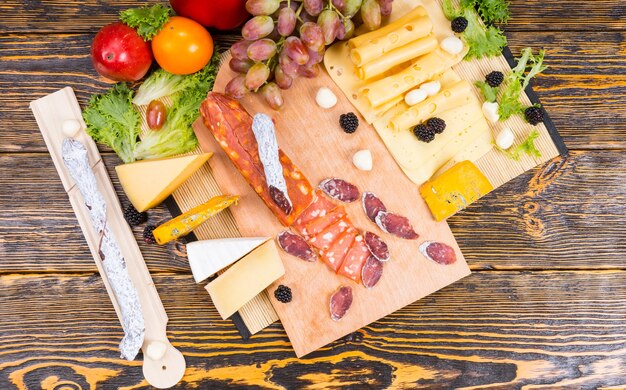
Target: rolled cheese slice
<point>416,13</point>
<point>401,36</point>
<point>456,95</point>
<point>396,57</point>
<point>423,69</point>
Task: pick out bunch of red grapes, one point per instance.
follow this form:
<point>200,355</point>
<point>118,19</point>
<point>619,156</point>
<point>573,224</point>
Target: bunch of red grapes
<point>287,39</point>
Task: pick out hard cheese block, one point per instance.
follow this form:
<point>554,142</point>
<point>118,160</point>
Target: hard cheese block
<point>455,189</point>
<point>246,279</point>
<point>147,183</point>
<point>207,257</point>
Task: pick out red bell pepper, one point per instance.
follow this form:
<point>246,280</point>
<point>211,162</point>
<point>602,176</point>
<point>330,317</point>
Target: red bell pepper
<point>220,14</point>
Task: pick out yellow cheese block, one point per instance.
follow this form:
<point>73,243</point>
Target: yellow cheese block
<point>246,279</point>
<point>147,183</point>
<point>454,190</point>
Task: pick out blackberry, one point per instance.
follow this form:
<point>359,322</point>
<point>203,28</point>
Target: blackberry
<point>437,125</point>
<point>283,294</point>
<point>534,115</point>
<point>134,217</point>
<point>494,78</point>
<point>459,24</point>
<point>348,122</point>
<point>148,236</point>
<point>424,133</point>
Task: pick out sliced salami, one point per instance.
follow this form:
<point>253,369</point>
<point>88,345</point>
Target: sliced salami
<point>438,252</point>
<point>354,260</point>
<point>295,245</point>
<point>372,205</point>
<point>396,224</point>
<point>318,225</point>
<point>371,272</point>
<point>377,246</point>
<point>338,250</point>
<point>340,189</point>
<point>340,302</point>
<point>318,208</point>
<point>328,236</point>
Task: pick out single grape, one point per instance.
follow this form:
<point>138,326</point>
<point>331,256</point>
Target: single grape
<point>309,71</point>
<point>341,31</point>
<point>256,76</point>
<point>385,7</point>
<point>351,7</point>
<point>305,17</point>
<point>313,7</point>
<point>329,22</point>
<point>239,49</point>
<point>339,4</point>
<point>312,35</point>
<point>315,57</point>
<point>289,67</point>
<point>295,49</point>
<point>236,87</point>
<point>349,28</point>
<point>262,7</point>
<point>272,95</point>
<point>370,12</point>
<point>262,49</point>
<point>286,21</point>
<point>282,80</point>
<point>240,66</point>
<point>258,27</point>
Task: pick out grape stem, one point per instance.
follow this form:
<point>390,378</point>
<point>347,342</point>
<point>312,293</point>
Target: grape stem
<point>298,11</point>
<point>331,6</point>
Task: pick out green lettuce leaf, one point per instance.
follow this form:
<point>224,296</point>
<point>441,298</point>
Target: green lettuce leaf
<point>148,21</point>
<point>517,81</point>
<point>526,147</point>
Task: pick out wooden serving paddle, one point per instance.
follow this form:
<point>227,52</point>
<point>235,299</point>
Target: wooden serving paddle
<point>163,365</point>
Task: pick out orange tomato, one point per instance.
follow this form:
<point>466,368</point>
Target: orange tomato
<point>182,46</point>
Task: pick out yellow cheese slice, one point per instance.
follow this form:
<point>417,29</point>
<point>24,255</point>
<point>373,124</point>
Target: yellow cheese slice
<point>246,279</point>
<point>409,16</point>
<point>396,57</point>
<point>402,35</point>
<point>450,97</point>
<point>472,151</point>
<point>454,190</point>
<point>147,183</point>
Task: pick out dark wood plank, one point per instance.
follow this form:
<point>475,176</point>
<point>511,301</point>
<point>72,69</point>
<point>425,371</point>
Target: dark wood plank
<point>566,214</point>
<point>583,90</point>
<point>508,329</point>
<point>90,15</point>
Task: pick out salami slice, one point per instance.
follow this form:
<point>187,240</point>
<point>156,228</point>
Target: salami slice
<point>354,260</point>
<point>372,271</point>
<point>377,246</point>
<point>340,302</point>
<point>340,189</point>
<point>372,205</point>
<point>438,252</point>
<point>328,236</point>
<point>338,250</point>
<point>295,245</point>
<point>318,225</point>
<point>396,224</point>
<point>319,208</point>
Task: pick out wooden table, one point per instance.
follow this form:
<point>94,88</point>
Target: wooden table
<point>545,306</point>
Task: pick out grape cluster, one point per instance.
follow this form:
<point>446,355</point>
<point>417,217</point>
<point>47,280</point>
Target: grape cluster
<point>287,39</point>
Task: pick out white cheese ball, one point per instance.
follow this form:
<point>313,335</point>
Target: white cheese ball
<point>156,350</point>
<point>325,98</point>
<point>363,160</point>
<point>505,138</point>
<point>431,88</point>
<point>452,45</point>
<point>415,96</point>
<point>70,127</point>
<point>490,111</point>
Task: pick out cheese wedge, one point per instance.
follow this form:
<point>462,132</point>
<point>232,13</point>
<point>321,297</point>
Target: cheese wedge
<point>207,257</point>
<point>147,183</point>
<point>246,279</point>
<point>454,190</point>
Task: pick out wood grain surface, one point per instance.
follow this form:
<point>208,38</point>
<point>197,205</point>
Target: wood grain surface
<point>544,307</point>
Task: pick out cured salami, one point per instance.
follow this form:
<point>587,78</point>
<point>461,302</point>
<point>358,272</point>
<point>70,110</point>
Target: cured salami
<point>328,236</point>
<point>340,302</point>
<point>396,224</point>
<point>318,225</point>
<point>319,208</point>
<point>231,126</point>
<point>372,205</point>
<point>438,252</point>
<point>338,250</point>
<point>354,260</point>
<point>376,246</point>
<point>371,272</point>
<point>295,245</point>
<point>340,189</point>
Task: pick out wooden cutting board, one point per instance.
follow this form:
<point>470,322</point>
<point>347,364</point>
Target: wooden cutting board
<point>311,136</point>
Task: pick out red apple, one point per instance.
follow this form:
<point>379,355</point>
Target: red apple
<point>119,53</point>
<point>222,14</point>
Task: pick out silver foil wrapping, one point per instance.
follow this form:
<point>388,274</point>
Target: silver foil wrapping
<point>76,160</point>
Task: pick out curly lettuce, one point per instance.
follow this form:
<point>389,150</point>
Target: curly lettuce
<point>516,81</point>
